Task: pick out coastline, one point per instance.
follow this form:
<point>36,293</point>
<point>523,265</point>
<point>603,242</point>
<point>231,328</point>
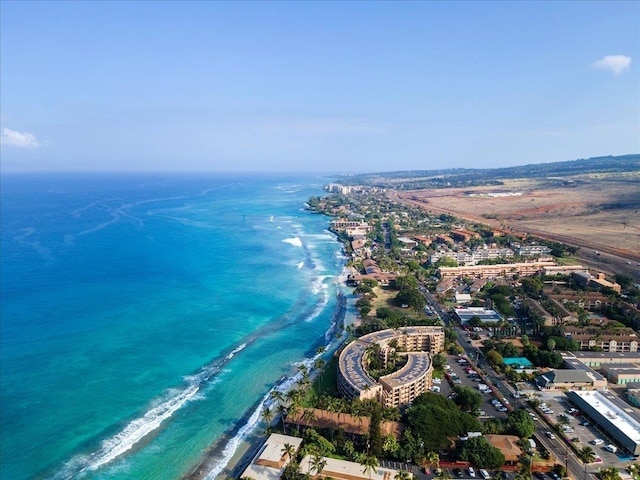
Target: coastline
<point>249,443</point>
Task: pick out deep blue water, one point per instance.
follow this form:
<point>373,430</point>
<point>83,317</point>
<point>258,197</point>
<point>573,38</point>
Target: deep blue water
<point>145,317</point>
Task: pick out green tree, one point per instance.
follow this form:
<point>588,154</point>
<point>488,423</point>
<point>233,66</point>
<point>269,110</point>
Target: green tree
<point>317,464</point>
<point>480,452</point>
<point>610,473</point>
<point>370,464</point>
<point>467,398</point>
<point>586,454</point>
<point>519,423</point>
<point>439,361</point>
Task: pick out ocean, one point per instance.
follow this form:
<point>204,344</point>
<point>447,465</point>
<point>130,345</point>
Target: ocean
<point>146,317</point>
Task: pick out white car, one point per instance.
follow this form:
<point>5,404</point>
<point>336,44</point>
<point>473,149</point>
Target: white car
<point>435,389</point>
<point>597,441</point>
<point>484,473</point>
<point>437,381</point>
<point>472,472</point>
<point>550,435</point>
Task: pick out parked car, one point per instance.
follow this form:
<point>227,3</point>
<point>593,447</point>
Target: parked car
<point>457,472</point>
<point>435,389</point>
<point>611,448</point>
<point>472,472</point>
<point>484,473</point>
<point>538,475</point>
<point>597,441</point>
<point>585,424</point>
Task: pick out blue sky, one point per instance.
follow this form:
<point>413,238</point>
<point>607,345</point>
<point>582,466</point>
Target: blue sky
<point>315,86</point>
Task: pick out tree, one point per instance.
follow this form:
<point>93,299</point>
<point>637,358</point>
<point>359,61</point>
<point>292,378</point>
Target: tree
<point>267,415</point>
<point>317,464</point>
<point>402,475</point>
<point>466,398</point>
<point>587,455</point>
<point>475,321</point>
<point>551,344</point>
<point>610,473</point>
<point>431,459</point>
<point>439,361</point>
<point>375,435</point>
<point>288,450</point>
<point>370,464</point>
<point>480,452</point>
<point>519,423</point>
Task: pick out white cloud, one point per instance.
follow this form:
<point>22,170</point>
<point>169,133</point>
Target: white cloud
<point>616,63</point>
<point>18,139</point>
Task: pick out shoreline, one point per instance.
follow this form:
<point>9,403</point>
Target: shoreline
<point>248,445</point>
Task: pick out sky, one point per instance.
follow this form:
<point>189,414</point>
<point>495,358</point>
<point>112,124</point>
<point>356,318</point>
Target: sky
<point>323,86</point>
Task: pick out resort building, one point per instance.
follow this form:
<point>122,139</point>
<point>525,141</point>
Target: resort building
<point>402,386</point>
<point>598,359</point>
<point>493,271</point>
<point>618,419</point>
<point>270,461</point>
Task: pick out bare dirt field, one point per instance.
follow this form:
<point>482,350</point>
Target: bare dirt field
<point>596,213</point>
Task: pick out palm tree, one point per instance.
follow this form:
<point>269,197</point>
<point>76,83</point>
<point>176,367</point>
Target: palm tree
<point>276,396</point>
<point>431,459</point>
<point>317,464</point>
<point>402,475</point>
<point>282,412</point>
<point>309,416</point>
<point>294,410</point>
<point>610,473</point>
<point>369,463</point>
<point>267,416</point>
<point>587,455</point>
<point>288,450</point>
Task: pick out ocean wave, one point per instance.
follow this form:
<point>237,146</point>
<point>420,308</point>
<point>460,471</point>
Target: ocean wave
<point>295,241</point>
<point>136,430</point>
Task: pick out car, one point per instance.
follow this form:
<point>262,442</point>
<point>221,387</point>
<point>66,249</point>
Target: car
<point>498,384</point>
<point>554,475</point>
<point>502,409</point>
<point>457,472</point>
<point>585,424</point>
<point>435,389</point>
<point>457,381</point>
<point>437,381</point>
<point>472,472</point>
<point>611,448</point>
<point>551,435</point>
<point>597,441</point>
<point>538,475</point>
<point>504,475</point>
<point>484,473</point>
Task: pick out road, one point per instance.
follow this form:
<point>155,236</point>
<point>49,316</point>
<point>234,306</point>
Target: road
<point>562,452</point>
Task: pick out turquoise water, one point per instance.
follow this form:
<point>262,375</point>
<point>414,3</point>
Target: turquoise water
<point>145,318</point>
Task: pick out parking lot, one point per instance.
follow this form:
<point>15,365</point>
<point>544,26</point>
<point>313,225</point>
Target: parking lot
<point>578,432</point>
<point>464,378</point>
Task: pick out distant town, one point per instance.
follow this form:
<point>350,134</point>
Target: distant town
<point>478,352</point>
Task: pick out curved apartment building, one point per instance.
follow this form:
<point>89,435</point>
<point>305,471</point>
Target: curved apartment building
<point>402,386</point>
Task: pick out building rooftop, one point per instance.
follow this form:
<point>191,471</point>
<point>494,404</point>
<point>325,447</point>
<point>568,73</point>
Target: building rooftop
<point>417,364</point>
<point>270,460</point>
<point>485,314</point>
<point>624,417</point>
<point>342,469</point>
